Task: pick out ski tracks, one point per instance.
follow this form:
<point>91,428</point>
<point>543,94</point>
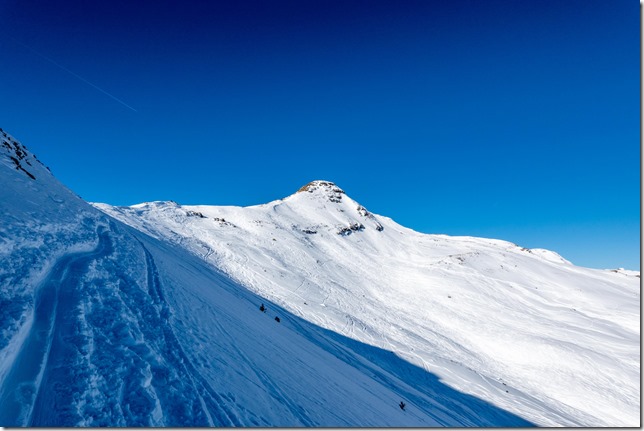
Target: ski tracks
<point>38,369</point>
<point>271,387</point>
<point>105,333</point>
<point>210,402</point>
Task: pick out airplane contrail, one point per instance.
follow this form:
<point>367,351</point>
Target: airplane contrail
<point>73,74</point>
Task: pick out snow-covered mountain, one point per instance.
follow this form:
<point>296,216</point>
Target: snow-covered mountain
<point>150,315</point>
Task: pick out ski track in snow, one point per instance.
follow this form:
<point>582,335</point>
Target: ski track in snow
<point>272,388</point>
<point>37,368</point>
<point>41,388</point>
<point>211,402</point>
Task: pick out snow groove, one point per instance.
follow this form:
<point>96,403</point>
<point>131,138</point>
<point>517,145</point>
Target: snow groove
<point>38,368</point>
<point>211,404</point>
<point>272,388</point>
<point>120,364</point>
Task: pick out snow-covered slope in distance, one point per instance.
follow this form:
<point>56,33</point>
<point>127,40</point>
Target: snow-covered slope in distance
<point>103,325</point>
<point>523,329</point>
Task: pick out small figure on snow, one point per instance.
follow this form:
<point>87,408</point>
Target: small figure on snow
<point>402,405</point>
<point>262,308</point>
<point>277,319</point>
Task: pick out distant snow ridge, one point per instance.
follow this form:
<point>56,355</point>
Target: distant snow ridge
<point>477,312</point>
<point>305,311</point>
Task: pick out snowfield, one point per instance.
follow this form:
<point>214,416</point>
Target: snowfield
<point>150,316</point>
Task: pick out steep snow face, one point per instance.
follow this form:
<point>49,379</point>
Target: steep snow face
<point>523,329</point>
<point>40,221</point>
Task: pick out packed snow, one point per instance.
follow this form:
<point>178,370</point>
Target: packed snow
<point>150,316</point>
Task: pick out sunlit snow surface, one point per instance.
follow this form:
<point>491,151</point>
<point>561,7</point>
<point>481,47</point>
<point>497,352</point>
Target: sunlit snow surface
<point>156,322</point>
<point>485,316</point>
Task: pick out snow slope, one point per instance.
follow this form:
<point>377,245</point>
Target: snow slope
<point>149,316</point>
<point>524,330</point>
<point>104,325</point>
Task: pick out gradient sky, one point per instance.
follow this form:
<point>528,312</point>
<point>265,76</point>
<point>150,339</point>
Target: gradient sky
<point>516,120</point>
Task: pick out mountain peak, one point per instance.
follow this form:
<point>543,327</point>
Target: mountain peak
<point>327,188</point>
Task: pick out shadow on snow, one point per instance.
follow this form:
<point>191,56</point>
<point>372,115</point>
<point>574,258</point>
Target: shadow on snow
<point>48,382</point>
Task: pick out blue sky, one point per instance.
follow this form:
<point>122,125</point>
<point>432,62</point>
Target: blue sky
<point>516,120</point>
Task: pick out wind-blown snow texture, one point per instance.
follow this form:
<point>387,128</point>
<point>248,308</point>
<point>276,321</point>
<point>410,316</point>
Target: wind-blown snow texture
<point>149,315</point>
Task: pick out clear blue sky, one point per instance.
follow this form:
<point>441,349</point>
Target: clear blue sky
<point>515,119</point>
